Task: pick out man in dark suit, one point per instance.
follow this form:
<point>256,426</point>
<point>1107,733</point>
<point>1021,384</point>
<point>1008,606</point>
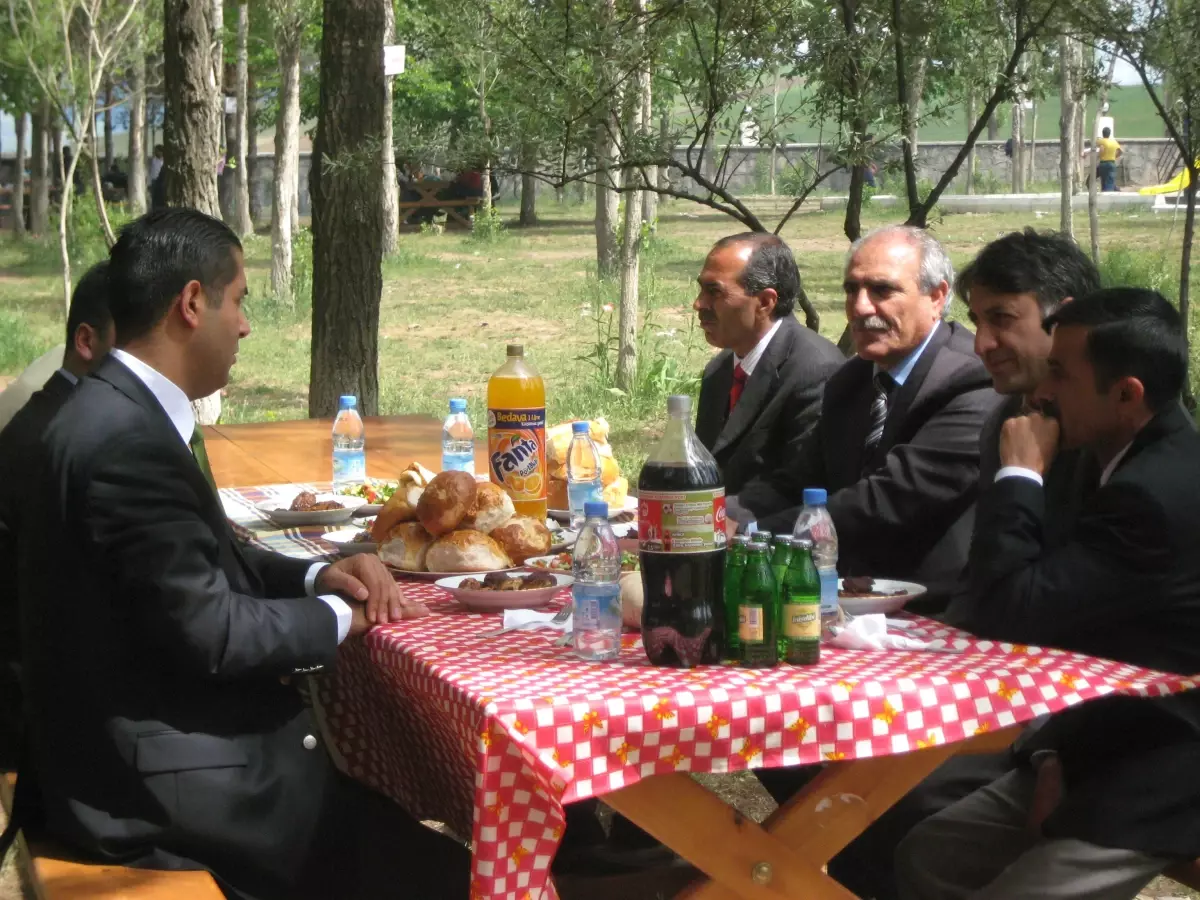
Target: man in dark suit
<point>762,393</point>
<point>89,337</point>
<point>897,444</point>
<point>158,654</point>
<point>1105,796</point>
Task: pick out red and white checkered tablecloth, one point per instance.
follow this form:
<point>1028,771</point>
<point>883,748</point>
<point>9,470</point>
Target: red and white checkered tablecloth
<point>493,734</point>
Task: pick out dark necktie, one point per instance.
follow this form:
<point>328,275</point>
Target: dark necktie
<point>201,455</point>
<point>739,383</point>
<point>879,410</point>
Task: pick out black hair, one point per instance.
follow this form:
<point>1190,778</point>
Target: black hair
<point>1132,333</point>
<point>1048,265</point>
<point>771,265</point>
<point>1106,132</point>
<point>89,303</point>
<point>154,259</point>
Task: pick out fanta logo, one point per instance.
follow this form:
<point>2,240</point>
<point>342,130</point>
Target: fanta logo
<point>513,454</point>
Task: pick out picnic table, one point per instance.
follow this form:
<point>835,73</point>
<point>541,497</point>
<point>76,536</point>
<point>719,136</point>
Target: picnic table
<point>427,198</point>
<point>492,735</point>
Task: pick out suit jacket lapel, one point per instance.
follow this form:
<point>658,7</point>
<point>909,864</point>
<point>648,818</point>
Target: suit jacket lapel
<point>759,387</point>
<point>904,397</point>
<point>714,406</point>
<point>857,421</point>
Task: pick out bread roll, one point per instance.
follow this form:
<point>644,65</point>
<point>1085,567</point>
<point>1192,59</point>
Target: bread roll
<point>446,502</point>
<point>491,509</point>
<point>556,494</point>
<point>466,551</point>
<point>616,494</point>
<point>405,546</point>
<point>632,598</point>
<point>523,537</point>
<point>402,505</point>
<point>558,440</point>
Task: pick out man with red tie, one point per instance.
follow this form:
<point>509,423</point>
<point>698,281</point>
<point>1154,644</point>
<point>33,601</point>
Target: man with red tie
<point>762,393</point>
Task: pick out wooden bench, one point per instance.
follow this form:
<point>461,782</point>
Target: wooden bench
<point>428,191</point>
<point>54,875</point>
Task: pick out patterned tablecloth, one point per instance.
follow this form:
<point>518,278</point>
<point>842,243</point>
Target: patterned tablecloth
<point>492,734</point>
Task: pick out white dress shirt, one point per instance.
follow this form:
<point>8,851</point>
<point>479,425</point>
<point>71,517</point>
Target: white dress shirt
<point>1021,472</point>
<point>178,408</point>
<point>750,361</point>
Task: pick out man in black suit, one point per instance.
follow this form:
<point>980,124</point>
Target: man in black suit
<point>1105,796</point>
<point>158,654</point>
<point>762,393</point>
<point>89,337</point>
<point>897,444</point>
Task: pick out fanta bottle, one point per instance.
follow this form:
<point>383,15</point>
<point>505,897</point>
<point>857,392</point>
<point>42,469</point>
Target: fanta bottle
<point>516,398</point>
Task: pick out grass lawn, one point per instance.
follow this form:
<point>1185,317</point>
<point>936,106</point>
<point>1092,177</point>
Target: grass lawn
<point>450,304</point>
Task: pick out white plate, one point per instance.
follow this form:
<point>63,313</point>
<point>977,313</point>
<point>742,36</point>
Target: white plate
<point>347,546</point>
<point>278,512</point>
<point>437,576</point>
<point>491,601</point>
<point>536,563</point>
<point>862,606</point>
<point>368,509</point>
<point>564,515</point>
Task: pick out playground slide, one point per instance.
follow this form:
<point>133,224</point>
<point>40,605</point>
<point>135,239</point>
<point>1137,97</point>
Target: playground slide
<point>1174,186</point>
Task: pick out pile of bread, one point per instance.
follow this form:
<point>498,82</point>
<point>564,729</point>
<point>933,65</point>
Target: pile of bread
<point>452,523</point>
<point>558,441</point>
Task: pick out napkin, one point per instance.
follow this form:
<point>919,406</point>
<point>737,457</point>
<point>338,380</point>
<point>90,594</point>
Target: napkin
<point>870,632</point>
<point>526,619</point>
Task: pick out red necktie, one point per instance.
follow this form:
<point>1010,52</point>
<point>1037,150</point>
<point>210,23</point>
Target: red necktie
<point>739,382</point>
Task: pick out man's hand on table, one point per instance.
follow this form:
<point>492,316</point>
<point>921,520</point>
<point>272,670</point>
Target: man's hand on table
<point>373,595</point>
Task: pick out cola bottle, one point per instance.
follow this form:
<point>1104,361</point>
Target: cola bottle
<point>681,535</point>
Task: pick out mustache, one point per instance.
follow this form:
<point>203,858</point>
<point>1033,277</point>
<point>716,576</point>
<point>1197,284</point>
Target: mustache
<point>706,318</point>
<point>871,323</point>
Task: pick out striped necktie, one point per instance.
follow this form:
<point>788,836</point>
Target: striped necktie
<point>201,455</point>
<point>879,409</point>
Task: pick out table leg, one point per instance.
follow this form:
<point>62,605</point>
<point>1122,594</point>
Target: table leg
<point>786,855</point>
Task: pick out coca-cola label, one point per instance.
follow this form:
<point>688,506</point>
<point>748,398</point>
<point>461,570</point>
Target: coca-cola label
<point>682,521</point>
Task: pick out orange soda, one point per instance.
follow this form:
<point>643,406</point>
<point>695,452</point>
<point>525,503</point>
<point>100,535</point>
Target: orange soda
<point>516,399</point>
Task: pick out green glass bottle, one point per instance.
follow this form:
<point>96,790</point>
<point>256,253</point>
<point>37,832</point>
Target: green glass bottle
<point>781,557</point>
<point>735,571</point>
<point>800,611</point>
<point>758,611</point>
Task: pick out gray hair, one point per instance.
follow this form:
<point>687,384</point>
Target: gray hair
<point>935,264</point>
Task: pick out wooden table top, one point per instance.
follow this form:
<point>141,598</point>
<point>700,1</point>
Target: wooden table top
<point>301,450</point>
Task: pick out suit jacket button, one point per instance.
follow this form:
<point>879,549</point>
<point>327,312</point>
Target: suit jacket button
<point>310,742</point>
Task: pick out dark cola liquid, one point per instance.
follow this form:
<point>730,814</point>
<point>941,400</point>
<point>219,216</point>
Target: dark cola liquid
<point>683,616</point>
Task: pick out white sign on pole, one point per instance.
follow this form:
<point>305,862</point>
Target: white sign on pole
<point>230,105</point>
<point>393,59</point>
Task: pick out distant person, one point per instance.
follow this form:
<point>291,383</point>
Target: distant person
<point>156,163</point>
<point>158,180</point>
<point>1110,152</point>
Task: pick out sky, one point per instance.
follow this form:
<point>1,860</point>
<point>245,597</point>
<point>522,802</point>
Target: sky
<point>1124,74</point>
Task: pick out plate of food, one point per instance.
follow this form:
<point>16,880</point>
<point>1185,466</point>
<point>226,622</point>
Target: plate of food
<point>630,582</point>
<point>310,508</point>
<point>622,507</point>
<point>374,494</point>
<point>455,525</point>
<point>505,590</point>
<point>350,541</point>
<point>561,562</point>
<point>860,595</point>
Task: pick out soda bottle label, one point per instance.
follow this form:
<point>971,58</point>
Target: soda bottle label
<point>750,624</point>
<point>802,620</point>
<point>517,452</point>
<point>682,521</point>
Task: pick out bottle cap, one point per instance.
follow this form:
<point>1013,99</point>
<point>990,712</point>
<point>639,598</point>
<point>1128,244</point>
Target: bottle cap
<point>815,496</point>
<point>679,405</point>
<point>801,544</point>
<point>595,509</point>
<point>758,546</point>
<point>457,405</point>
<point>580,428</point>
<point>741,539</point>
<point>763,536</point>
<point>348,401</point>
<point>516,349</point>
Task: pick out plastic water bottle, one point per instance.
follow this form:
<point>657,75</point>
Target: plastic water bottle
<point>815,524</point>
<point>584,483</point>
<point>349,445</point>
<point>596,564</point>
<point>458,439</point>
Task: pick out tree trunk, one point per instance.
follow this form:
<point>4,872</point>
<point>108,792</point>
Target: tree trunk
<point>916,88</point>
<point>243,223</point>
<point>252,147</point>
<point>347,209</point>
<point>853,222</point>
<point>56,145</point>
<point>137,128</point>
<point>1030,167</point>
<point>486,203</point>
<point>40,178</point>
<point>191,128</point>
<point>528,186</point>
<point>1185,268</point>
<point>295,210</point>
<point>98,192</point>
<point>18,200</point>
<point>1018,149</point>
<point>971,156</point>
<point>1094,161</point>
<point>631,243</point>
<point>650,198</point>
<point>287,159</point>
<point>391,187</point>
<point>109,154</point>
<point>907,124</point>
<point>608,201</point>
<point>993,127</point>
<point>1066,130</point>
